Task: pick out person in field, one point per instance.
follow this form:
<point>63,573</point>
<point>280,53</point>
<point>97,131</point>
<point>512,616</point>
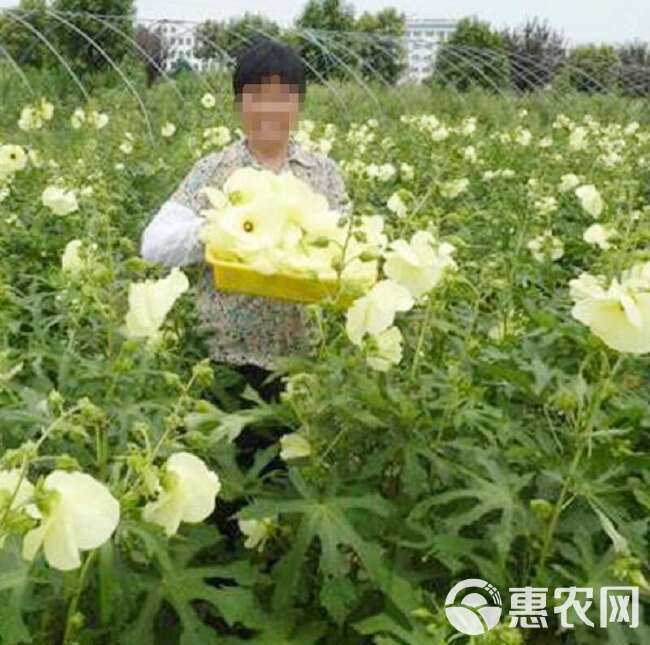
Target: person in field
<point>248,332</point>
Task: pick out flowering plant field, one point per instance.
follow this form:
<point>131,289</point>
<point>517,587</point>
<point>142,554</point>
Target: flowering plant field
<point>481,411</point>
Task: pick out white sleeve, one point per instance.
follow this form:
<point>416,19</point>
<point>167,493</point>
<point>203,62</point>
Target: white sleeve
<point>171,238</point>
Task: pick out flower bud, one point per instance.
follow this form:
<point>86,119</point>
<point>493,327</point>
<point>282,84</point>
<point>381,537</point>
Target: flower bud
<point>542,508</point>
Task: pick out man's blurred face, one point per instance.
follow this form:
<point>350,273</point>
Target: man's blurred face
<point>269,110</point>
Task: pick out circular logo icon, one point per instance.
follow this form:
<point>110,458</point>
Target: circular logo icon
<point>475,612</point>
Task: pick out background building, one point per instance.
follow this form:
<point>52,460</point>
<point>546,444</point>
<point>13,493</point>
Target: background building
<point>423,38</point>
<point>180,41</point>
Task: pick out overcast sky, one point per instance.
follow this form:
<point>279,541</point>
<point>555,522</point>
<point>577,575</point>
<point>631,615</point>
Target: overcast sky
<point>581,20</point>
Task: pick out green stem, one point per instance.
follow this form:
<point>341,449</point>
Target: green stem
<point>584,442</point>
<point>423,328</point>
<point>72,609</point>
<point>105,583</point>
<point>550,531</point>
<point>167,430</point>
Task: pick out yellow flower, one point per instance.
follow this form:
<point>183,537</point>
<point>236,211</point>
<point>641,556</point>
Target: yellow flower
<point>150,301</point>
<point>168,130</point>
<point>78,118</point>
<point>80,515</point>
<point>71,261</point>
<point>294,446</point>
<point>569,182</point>
<point>46,109</point>
<point>578,139</point>
<point>35,158</point>
<point>372,226</point>
<point>386,172</point>
<point>246,184</point>
<point>302,137</point>
<point>452,189</point>
<point>523,136</point>
<point>386,350</point>
<point>312,260</point>
<point>546,246</point>
<point>98,119</point>
<point>249,228</point>
<point>376,311</point>
<point>30,119</point>
<point>407,172</point>
<point>546,205</point>
<point>304,207</point>
<point>217,199</point>
<point>306,125</point>
<point>9,484</point>
<point>276,223</point>
<point>590,200</point>
<point>60,201</point>
<point>587,286</point>
<point>619,316</point>
<point>396,205</point>
<point>12,159</point>
<point>218,136</point>
<point>598,235</point>
<point>324,146</point>
<point>470,155</point>
<point>208,101</point>
<point>267,261</point>
<point>188,493</point>
<point>637,277</point>
<point>256,531</point>
<point>418,265</point>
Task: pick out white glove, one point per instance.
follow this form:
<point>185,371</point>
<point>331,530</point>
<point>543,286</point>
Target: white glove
<point>171,238</point>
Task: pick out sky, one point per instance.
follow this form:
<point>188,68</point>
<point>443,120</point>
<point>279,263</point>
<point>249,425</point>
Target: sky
<point>613,21</point>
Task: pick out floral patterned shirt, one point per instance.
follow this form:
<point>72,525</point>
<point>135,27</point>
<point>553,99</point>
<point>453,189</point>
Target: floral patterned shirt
<point>249,329</point>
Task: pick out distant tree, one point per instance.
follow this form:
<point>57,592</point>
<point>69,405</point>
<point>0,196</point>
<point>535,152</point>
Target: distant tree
<point>152,42</point>
<point>322,36</point>
<point>20,41</point>
<point>593,68</point>
<point>536,51</point>
<point>634,70</point>
<point>221,40</point>
<point>380,45</point>
<point>73,41</point>
<point>181,66</point>
<point>473,56</point>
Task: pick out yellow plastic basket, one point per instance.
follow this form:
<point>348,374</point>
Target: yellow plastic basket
<point>237,277</point>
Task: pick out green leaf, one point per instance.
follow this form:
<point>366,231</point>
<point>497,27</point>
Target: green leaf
<point>326,518</point>
<point>13,583</point>
<point>619,542</point>
<point>181,585</point>
<point>496,492</point>
<point>338,596</point>
<point>220,425</point>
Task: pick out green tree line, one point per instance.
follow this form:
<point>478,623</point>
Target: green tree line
<point>333,41</point>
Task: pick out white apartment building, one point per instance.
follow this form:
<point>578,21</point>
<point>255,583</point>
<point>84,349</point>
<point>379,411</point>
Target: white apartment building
<point>180,39</point>
<point>423,37</point>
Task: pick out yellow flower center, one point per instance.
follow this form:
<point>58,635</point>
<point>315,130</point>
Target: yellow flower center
<point>248,226</point>
<point>236,197</point>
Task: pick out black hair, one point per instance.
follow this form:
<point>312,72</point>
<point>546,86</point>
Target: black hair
<point>263,58</point>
